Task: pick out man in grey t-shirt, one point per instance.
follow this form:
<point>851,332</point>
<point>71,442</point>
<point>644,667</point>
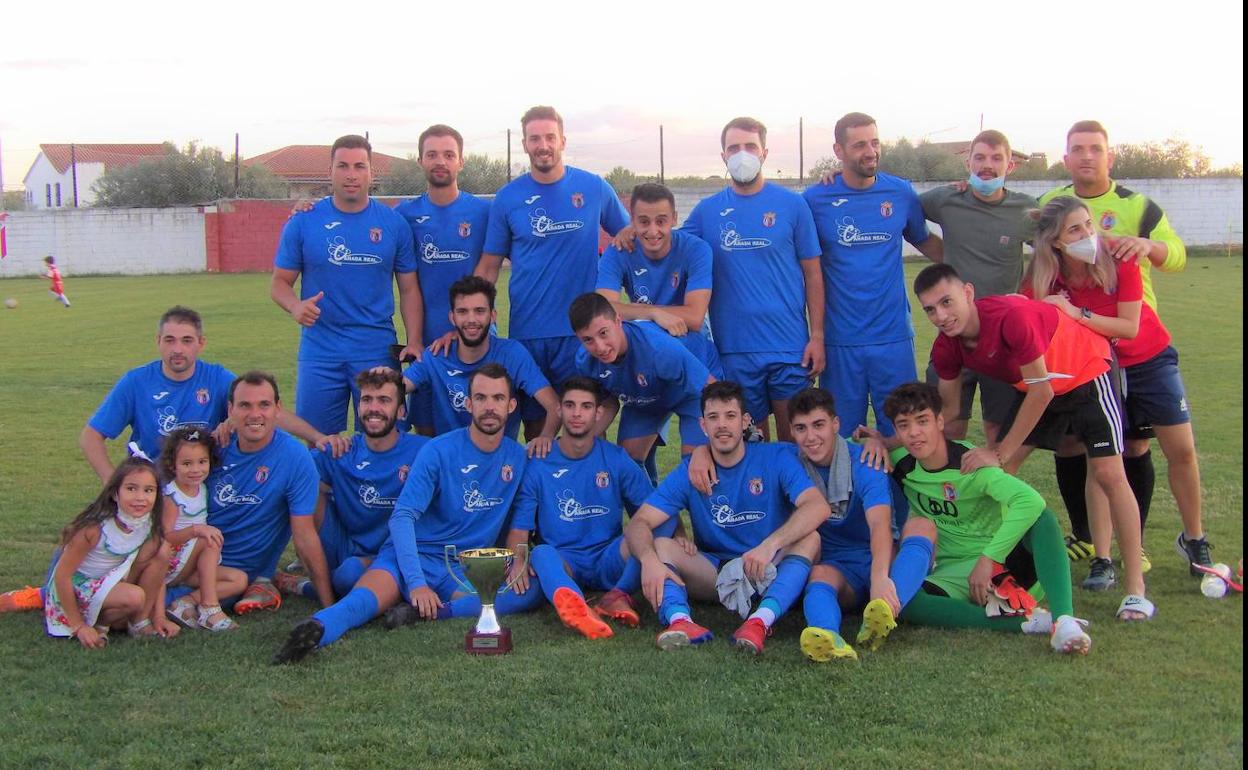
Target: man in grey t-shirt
<point>984,227</point>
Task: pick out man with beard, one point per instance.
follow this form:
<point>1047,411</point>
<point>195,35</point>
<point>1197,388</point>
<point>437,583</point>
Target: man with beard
<point>446,375</point>
<point>359,488</point>
<point>547,222</point>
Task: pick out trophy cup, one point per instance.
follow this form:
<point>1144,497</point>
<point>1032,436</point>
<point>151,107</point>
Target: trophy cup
<point>486,571</point>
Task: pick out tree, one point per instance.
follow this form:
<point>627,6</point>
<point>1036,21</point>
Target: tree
<point>824,165</point>
<point>406,177</point>
<point>623,181</point>
<point>482,176</point>
<point>189,176</point>
<point>1171,159</point>
<point>14,200</point>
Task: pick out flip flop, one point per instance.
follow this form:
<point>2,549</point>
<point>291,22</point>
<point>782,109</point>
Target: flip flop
<point>1136,603</point>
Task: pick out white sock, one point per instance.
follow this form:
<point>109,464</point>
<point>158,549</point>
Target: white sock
<point>764,614</point>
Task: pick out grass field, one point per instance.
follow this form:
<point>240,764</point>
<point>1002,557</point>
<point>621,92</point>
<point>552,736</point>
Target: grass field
<point>1163,694</point>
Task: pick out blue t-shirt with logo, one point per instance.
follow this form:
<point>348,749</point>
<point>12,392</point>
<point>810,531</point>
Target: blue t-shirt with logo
<point>751,500</point>
<point>686,268</point>
<point>578,506</point>
<point>153,405</point>
<point>353,259</point>
<point>550,232</point>
<point>252,495</point>
<point>870,488</point>
<point>758,242</point>
<point>365,485</point>
<point>860,233</point>
<point>455,494</point>
<point>657,372</point>
<point>448,242</point>
<point>447,377</point>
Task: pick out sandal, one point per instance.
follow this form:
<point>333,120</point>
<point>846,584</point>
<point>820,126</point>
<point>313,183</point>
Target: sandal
<point>182,612</point>
<point>141,630</point>
<point>223,623</point>
<point>1136,603</point>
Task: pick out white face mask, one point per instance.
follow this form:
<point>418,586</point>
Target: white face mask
<point>744,166</point>
<point>1083,250</point>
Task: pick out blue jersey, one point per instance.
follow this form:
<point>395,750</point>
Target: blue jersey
<point>758,242</point>
<point>447,377</point>
<point>365,485</point>
<point>751,500</point>
<point>455,495</point>
<point>870,488</point>
<point>352,258</point>
<point>550,231</point>
<point>153,405</point>
<point>252,495</point>
<point>448,242</point>
<point>686,268</point>
<point>860,233</point>
<point>578,506</point>
<point>657,372</point>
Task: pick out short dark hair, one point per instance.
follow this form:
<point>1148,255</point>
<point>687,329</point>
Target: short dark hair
<point>351,142</point>
<point>934,274</point>
<point>377,378</point>
<point>439,129</point>
<point>992,138</point>
<point>1087,127</point>
<point>849,120</point>
<point>723,390</point>
<point>745,124</point>
<point>540,112</point>
<point>587,384</point>
<point>651,192</point>
<point>493,371</point>
<point>911,398</point>
<point>49,260</point>
<point>809,400</point>
<point>585,308</point>
<point>255,377</point>
<point>473,284</point>
<point>183,315</point>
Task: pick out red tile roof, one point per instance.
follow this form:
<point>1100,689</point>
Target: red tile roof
<point>310,161</point>
<point>111,155</point>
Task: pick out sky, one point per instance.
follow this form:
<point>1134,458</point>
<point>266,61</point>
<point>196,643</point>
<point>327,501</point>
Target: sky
<point>150,72</point>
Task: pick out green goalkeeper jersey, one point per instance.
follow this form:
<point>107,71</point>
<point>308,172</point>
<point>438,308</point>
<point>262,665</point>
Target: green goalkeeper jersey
<point>985,513</point>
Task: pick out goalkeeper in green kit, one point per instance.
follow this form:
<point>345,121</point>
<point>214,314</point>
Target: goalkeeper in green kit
<point>994,534</point>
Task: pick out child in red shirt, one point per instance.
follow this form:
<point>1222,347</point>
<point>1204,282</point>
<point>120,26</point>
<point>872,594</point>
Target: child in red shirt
<point>57,290</point>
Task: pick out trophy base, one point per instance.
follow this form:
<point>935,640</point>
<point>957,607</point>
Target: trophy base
<point>477,643</point>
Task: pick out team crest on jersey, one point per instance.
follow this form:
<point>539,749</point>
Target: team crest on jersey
<point>675,279</point>
<point>756,485</point>
<point>202,395</point>
<point>641,380</point>
<point>578,200</point>
<point>403,469</point>
<point>506,473</point>
<point>769,219</point>
<point>1108,220</point>
<point>262,474</point>
<point>374,234</point>
<point>602,479</point>
<point>950,492</point>
<point>886,209</point>
<point>465,229</point>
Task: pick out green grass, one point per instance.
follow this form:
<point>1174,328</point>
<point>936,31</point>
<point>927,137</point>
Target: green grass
<point>1168,693</point>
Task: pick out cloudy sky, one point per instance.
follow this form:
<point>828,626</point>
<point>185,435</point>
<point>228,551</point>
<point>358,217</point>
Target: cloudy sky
<point>143,72</point>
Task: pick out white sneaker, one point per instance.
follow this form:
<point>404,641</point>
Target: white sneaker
<point>1040,621</point>
<point>1069,637</point>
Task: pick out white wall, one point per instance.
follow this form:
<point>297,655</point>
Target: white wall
<point>89,241</point>
<point>42,173</point>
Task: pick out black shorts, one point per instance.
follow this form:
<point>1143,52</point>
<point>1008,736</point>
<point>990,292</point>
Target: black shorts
<point>1091,413</point>
<point>995,397</point>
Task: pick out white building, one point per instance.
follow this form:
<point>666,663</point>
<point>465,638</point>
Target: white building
<point>50,182</point>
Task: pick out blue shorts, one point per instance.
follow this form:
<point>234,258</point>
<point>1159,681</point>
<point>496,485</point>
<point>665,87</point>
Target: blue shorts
<point>766,377</point>
<point>598,570</point>
<point>335,541</point>
<point>638,421</point>
<point>324,388</point>
<point>852,562</point>
<point>1155,394</point>
<point>858,375</point>
<point>437,578</point>
<point>556,357</point>
<point>703,348</point>
<point>260,565</point>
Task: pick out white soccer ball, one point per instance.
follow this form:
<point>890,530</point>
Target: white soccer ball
<point>1213,586</point>
<point>10,303</point>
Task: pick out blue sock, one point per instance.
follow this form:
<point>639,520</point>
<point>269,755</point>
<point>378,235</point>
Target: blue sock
<point>352,611</point>
<point>675,600</point>
<point>173,593</point>
<point>308,590</point>
<point>347,575</point>
<point>630,578</point>
<point>548,564</point>
<point>914,558</point>
<point>790,580</point>
<point>821,607</point>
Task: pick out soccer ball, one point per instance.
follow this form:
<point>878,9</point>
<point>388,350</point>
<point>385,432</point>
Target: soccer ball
<point>10,303</point>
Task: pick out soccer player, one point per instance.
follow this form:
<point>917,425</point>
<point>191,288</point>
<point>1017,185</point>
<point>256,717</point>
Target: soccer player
<point>263,492</point>
<point>176,391</point>
<point>344,251</point>
<point>448,229</point>
<point>1135,230</point>
<point>653,374</point>
<point>984,225</point>
<point>446,375</point>
<point>980,519</point>
<point>547,222</point>
<point>57,287</point>
<point>766,278</point>
<point>1062,369</point>
<point>862,217</point>
<point>764,510</point>
<point>359,488</point>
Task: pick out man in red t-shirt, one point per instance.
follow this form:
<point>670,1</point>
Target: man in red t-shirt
<point>1062,368</point>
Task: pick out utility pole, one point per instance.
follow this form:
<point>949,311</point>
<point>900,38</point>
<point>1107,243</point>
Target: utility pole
<point>509,155</point>
<point>237,161</point>
<point>661,165</point>
<point>801,148</point>
<point>73,167</point>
